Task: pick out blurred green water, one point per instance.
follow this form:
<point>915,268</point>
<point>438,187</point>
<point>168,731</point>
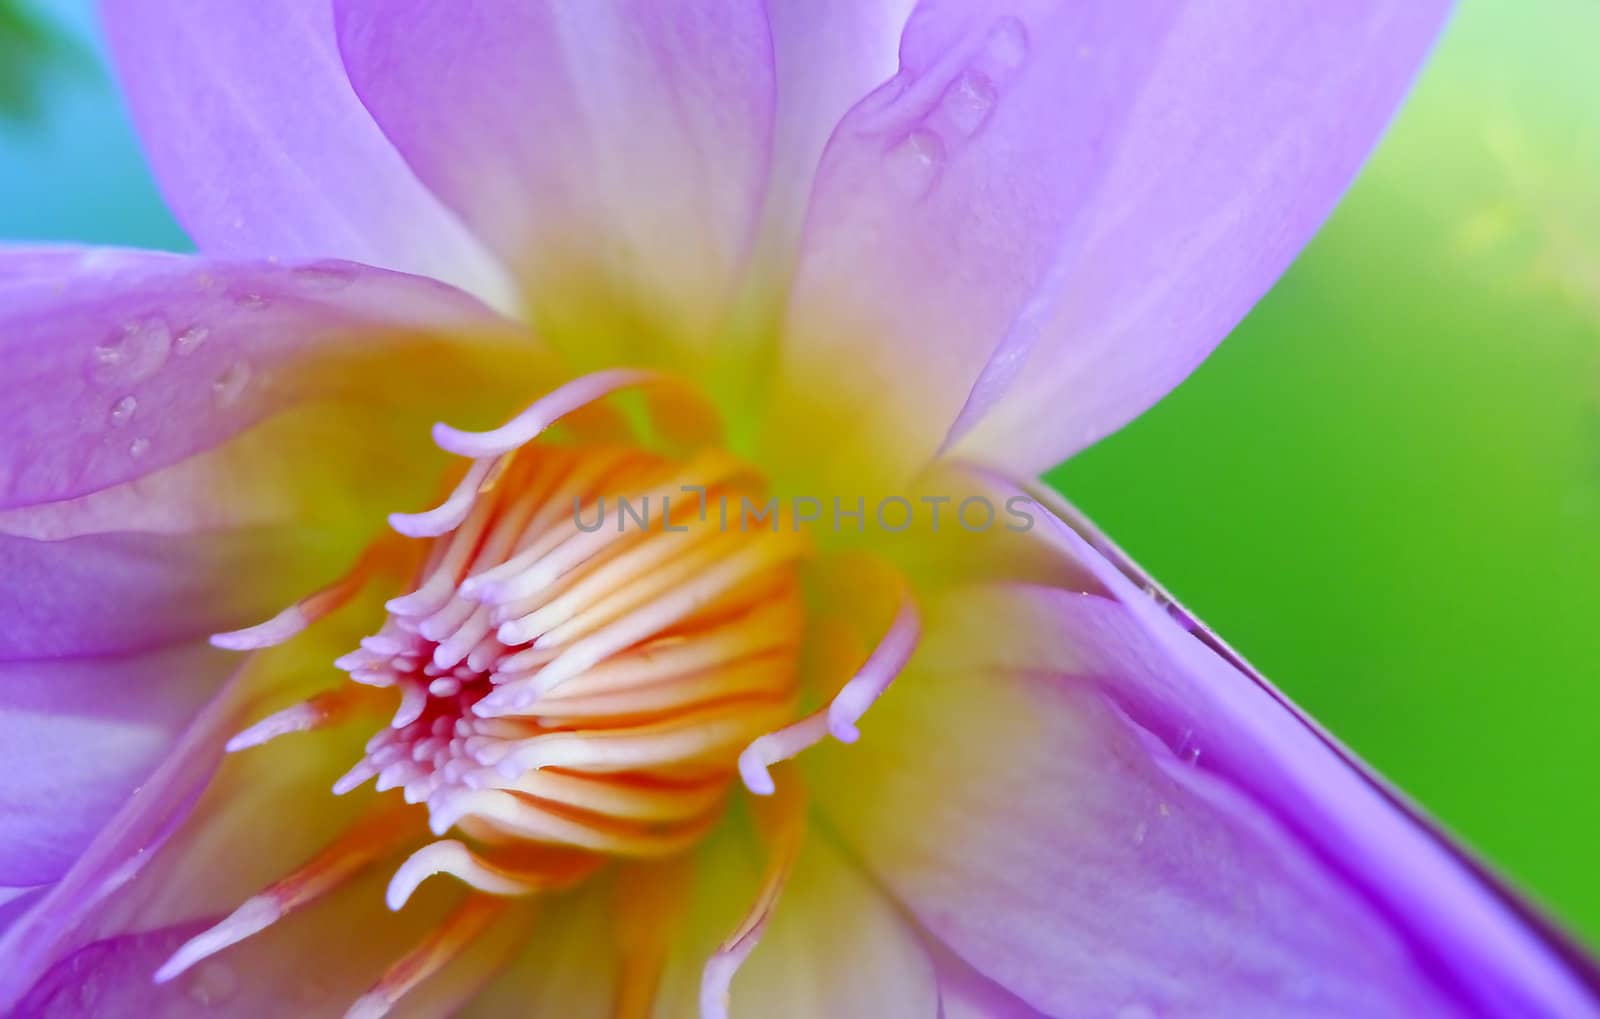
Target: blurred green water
<point>1384,488</point>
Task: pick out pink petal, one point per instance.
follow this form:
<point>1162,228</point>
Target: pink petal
<point>262,148</point>
<point>1054,211</point>
<point>613,154</point>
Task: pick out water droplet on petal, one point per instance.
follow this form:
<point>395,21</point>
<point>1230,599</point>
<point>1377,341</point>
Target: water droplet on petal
<point>122,411</point>
<point>327,276</point>
<point>1007,45</point>
<point>1189,748</point>
<point>191,338</point>
<point>105,361</point>
<point>136,352</point>
<point>212,983</point>
<point>968,100</point>
<point>916,162</point>
<point>253,301</point>
<point>231,384</point>
<point>138,447</point>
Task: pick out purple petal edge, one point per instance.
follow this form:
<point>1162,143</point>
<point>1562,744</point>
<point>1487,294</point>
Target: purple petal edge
<point>1567,946</point>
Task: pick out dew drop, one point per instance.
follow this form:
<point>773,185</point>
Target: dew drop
<point>136,352</point>
<point>1007,45</point>
<point>138,447</point>
<point>191,339</point>
<point>122,411</point>
<point>253,301</point>
<point>326,276</point>
<point>1189,748</point>
<point>968,100</point>
<point>916,162</point>
<point>231,384</point>
<point>1140,830</point>
<point>213,983</point>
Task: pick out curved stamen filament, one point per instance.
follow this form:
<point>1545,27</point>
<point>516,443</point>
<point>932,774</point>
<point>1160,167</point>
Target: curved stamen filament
<point>375,836</point>
<point>886,662</point>
<point>788,827</point>
<point>448,515</point>
<point>293,620</point>
<point>454,858</point>
<point>442,945</point>
<point>543,413</point>
<point>839,718</point>
<point>325,709</point>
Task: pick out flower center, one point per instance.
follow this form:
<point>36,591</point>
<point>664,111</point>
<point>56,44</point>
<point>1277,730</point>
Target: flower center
<point>592,649</point>
<point>583,659</point>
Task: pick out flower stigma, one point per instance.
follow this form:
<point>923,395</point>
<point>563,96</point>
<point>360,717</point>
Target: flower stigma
<point>588,665</point>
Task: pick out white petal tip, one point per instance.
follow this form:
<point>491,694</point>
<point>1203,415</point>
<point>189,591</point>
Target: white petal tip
<point>843,731</point>
<point>422,525</point>
<point>756,777</point>
<point>252,917</point>
<point>371,1005</point>
<point>281,627</point>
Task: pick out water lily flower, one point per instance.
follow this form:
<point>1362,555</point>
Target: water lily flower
<point>473,273</point>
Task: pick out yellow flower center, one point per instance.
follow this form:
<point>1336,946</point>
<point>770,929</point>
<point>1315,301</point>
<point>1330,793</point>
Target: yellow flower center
<point>600,639</point>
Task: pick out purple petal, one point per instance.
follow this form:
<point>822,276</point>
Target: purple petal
<point>103,662</point>
<point>613,154</point>
<point>1055,210</point>
<point>262,147</point>
<point>335,951</point>
<point>15,901</point>
<point>1096,811</point>
<point>1064,861</point>
<point>61,920</point>
<point>120,363</point>
<point>827,55</point>
<point>159,861</point>
<point>125,593</point>
<point>78,736</point>
<point>964,993</point>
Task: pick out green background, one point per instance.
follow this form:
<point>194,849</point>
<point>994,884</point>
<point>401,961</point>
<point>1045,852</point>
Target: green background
<point>1384,488</point>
